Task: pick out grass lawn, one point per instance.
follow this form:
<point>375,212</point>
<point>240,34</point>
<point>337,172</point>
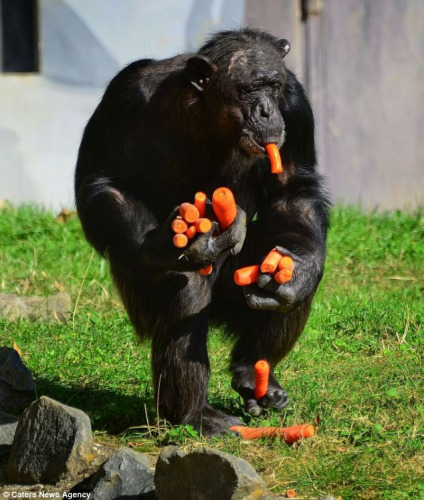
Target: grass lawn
<point>357,372</point>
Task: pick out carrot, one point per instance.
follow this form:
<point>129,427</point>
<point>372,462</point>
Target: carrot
<point>270,263</point>
<point>274,158</point>
<point>203,225</point>
<point>287,434</point>
<point>224,206</point>
<point>191,231</point>
<point>246,275</point>
<point>291,494</point>
<point>206,271</point>
<point>261,378</point>
<point>283,276</point>
<point>179,226</point>
<point>189,212</point>
<point>180,240</point>
<point>200,203</point>
<point>286,262</point>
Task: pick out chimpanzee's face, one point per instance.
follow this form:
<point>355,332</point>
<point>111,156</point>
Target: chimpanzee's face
<point>253,87</point>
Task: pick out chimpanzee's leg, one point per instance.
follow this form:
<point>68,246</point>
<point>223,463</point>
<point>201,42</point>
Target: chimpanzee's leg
<point>176,312</point>
<point>260,334</point>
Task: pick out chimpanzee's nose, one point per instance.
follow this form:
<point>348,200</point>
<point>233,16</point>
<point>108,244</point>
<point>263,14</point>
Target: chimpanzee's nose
<point>265,108</point>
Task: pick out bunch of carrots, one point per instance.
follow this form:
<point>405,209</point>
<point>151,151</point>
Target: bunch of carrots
<point>275,263</point>
<point>191,218</point>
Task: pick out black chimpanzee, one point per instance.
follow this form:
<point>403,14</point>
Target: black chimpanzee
<point>165,130</point>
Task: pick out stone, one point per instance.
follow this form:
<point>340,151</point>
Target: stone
<point>8,424</point>
<point>126,475</point>
<point>204,474</point>
<point>52,440</point>
<point>52,308</point>
<point>17,387</point>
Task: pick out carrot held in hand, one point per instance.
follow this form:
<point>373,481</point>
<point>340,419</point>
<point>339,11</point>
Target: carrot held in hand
<point>179,225</point>
<point>191,231</point>
<point>261,378</point>
<point>286,262</point>
<point>200,203</point>
<point>189,212</point>
<point>274,158</point>
<point>270,263</point>
<point>206,271</point>
<point>203,225</point>
<point>283,276</point>
<point>180,240</point>
<point>287,434</point>
<point>246,275</point>
<point>224,206</point>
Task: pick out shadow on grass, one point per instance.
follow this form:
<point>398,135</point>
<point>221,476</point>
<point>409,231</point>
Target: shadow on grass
<point>108,410</point>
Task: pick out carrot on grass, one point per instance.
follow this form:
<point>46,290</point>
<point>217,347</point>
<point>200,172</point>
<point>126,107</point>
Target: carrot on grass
<point>274,158</point>
<point>200,203</point>
<point>203,225</point>
<point>246,275</point>
<point>270,263</point>
<point>189,212</point>
<point>179,226</point>
<point>224,206</point>
<point>286,434</point>
<point>180,240</point>
<point>261,378</point>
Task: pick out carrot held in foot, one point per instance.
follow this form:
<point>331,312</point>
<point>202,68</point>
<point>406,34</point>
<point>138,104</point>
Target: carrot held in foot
<point>274,158</point>
<point>261,369</point>
<point>270,263</point>
<point>200,203</point>
<point>179,226</point>
<point>283,276</point>
<point>206,271</point>
<point>224,206</point>
<point>286,434</point>
<point>246,275</point>
<point>180,240</point>
<point>203,225</point>
<point>191,231</point>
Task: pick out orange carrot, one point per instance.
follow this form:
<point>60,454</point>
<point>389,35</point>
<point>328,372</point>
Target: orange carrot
<point>189,212</point>
<point>203,225</point>
<point>274,158</point>
<point>286,262</point>
<point>191,231</point>
<point>200,203</point>
<point>287,434</point>
<point>246,275</point>
<point>180,240</point>
<point>179,226</point>
<point>283,276</point>
<point>224,206</point>
<point>270,263</point>
<point>291,494</point>
<point>261,378</point>
<point>206,271</point>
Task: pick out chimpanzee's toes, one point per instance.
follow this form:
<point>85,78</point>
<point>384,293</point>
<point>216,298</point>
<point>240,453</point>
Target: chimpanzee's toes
<point>212,422</point>
<point>275,398</point>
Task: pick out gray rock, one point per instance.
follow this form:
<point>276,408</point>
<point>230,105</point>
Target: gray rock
<point>51,440</point>
<point>51,308</point>
<point>126,475</point>
<point>204,474</point>
<point>17,387</point>
<point>8,424</point>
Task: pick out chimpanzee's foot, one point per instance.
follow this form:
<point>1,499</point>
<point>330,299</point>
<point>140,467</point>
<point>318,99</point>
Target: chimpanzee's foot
<point>243,382</point>
<point>212,422</point>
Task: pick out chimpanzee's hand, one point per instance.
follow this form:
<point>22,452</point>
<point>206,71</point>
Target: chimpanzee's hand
<point>209,247</point>
<point>267,294</point>
<point>201,251</point>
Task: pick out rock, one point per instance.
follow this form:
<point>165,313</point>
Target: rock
<point>8,424</point>
<point>17,387</point>
<point>126,475</point>
<point>51,440</point>
<point>204,474</point>
<point>51,308</point>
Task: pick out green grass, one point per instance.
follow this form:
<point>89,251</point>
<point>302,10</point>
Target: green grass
<point>357,371</point>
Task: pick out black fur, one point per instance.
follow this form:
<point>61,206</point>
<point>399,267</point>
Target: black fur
<point>166,129</point>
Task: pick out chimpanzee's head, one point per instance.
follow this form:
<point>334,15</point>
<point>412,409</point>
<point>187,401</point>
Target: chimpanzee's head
<point>240,77</point>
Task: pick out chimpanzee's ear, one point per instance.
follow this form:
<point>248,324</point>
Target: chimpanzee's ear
<point>199,70</point>
<point>284,45</point>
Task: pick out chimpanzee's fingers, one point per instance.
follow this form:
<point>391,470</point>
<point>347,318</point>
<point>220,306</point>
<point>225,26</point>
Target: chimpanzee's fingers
<point>257,299</point>
<point>252,407</point>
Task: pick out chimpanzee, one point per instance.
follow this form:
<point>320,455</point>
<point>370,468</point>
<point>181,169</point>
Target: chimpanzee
<point>195,122</point>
